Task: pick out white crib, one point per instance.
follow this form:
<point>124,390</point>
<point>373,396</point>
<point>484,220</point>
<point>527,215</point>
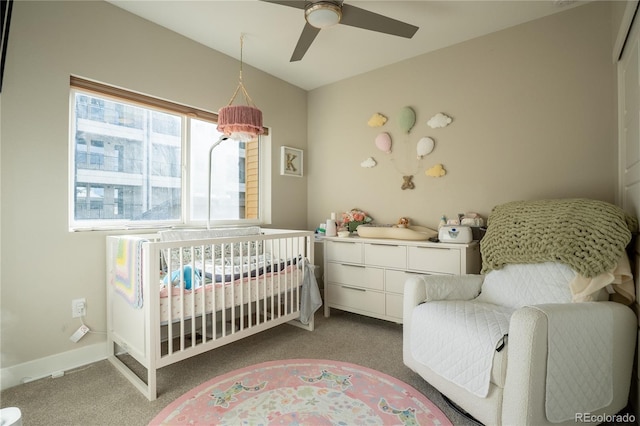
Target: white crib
<point>196,294</point>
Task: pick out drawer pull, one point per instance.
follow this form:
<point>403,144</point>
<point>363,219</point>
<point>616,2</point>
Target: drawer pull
<point>354,288</point>
<point>434,248</point>
<point>384,245</point>
<point>353,266</point>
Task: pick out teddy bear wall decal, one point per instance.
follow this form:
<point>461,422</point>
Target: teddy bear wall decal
<point>408,183</point>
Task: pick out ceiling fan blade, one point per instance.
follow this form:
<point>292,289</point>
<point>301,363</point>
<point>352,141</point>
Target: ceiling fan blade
<point>309,34</point>
<point>298,4</point>
<point>361,18</point>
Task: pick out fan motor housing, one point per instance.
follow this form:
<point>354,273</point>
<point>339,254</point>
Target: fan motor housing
<point>323,14</point>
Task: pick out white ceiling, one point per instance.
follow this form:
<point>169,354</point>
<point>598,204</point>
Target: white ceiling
<point>271,31</point>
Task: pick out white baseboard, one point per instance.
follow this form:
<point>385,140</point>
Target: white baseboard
<point>54,365</point>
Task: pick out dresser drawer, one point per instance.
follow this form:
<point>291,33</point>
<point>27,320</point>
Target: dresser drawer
<point>387,255</point>
<point>432,259</point>
<point>394,280</point>
<point>344,251</point>
<point>355,275</point>
<point>394,306</point>
<point>353,298</point>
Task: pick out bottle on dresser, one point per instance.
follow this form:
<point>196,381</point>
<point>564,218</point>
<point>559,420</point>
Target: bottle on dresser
<point>331,226</point>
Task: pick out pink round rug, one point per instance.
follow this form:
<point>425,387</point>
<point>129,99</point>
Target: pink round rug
<point>302,391</point>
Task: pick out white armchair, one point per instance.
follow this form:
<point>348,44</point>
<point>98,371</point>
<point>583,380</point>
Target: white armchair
<point>516,394</point>
<point>510,347</point>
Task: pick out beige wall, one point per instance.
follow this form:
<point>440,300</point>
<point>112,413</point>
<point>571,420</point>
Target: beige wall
<point>44,266</point>
<point>532,108</point>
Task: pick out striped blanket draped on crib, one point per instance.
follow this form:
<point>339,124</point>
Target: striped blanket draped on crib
<point>128,270</point>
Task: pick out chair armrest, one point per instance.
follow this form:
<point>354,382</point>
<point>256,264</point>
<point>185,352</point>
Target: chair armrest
<point>447,287</point>
<point>415,292</point>
<point>421,288</point>
<point>428,288</point>
<point>525,384</point>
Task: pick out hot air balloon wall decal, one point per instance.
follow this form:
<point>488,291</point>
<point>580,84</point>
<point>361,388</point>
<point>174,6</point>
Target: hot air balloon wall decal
<point>406,120</point>
<point>383,142</point>
<point>424,147</point>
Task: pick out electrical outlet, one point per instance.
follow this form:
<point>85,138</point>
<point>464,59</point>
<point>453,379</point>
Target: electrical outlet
<point>78,308</point>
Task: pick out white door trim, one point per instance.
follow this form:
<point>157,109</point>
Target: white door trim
<point>625,28</point>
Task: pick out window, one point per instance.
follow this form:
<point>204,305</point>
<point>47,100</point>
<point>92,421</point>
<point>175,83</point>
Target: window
<point>228,182</point>
<point>140,161</point>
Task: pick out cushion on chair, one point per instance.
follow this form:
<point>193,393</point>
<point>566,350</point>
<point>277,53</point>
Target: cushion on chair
<point>520,285</point>
<point>460,342</point>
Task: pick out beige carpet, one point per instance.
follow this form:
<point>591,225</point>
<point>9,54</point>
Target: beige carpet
<point>99,395</point>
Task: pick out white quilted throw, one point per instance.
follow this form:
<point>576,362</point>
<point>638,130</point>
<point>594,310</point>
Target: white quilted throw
<point>461,344</point>
<point>579,359</point>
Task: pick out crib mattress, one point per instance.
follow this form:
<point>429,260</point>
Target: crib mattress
<point>217,296</point>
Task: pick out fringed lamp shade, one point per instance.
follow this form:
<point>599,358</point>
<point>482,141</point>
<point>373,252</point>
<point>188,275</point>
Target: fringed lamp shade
<point>240,122</point>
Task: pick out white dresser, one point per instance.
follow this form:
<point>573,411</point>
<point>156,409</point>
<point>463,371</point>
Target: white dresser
<point>366,275</point>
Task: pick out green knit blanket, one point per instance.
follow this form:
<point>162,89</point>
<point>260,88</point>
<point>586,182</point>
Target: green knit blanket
<point>588,235</point>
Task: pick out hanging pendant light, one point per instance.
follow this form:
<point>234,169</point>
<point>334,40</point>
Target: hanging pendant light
<point>240,122</point>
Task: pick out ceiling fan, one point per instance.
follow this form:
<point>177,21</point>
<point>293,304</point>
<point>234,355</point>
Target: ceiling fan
<point>321,14</point>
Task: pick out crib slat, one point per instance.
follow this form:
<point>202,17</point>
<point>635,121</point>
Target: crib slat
<point>223,311</point>
<point>218,297</point>
<point>243,301</point>
<point>170,296</point>
<point>278,277</point>
<point>202,297</point>
<point>214,295</point>
<point>233,287</point>
<point>301,266</point>
<point>182,301</point>
<point>193,298</point>
<point>272,263</point>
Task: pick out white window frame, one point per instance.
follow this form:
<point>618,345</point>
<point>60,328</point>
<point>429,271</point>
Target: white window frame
<point>91,88</point>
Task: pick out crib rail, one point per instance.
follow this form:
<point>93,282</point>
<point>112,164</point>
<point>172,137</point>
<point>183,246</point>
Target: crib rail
<point>201,294</point>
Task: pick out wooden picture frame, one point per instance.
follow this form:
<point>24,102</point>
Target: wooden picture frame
<point>291,161</point>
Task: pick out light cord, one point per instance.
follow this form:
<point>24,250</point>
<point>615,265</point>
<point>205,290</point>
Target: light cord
<point>247,98</point>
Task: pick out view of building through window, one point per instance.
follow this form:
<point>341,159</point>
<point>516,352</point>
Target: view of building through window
<point>128,166</point>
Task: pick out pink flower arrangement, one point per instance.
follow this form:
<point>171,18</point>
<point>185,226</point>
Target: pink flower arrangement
<point>353,218</point>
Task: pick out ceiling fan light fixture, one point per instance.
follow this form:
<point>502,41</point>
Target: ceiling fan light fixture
<point>323,14</point>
